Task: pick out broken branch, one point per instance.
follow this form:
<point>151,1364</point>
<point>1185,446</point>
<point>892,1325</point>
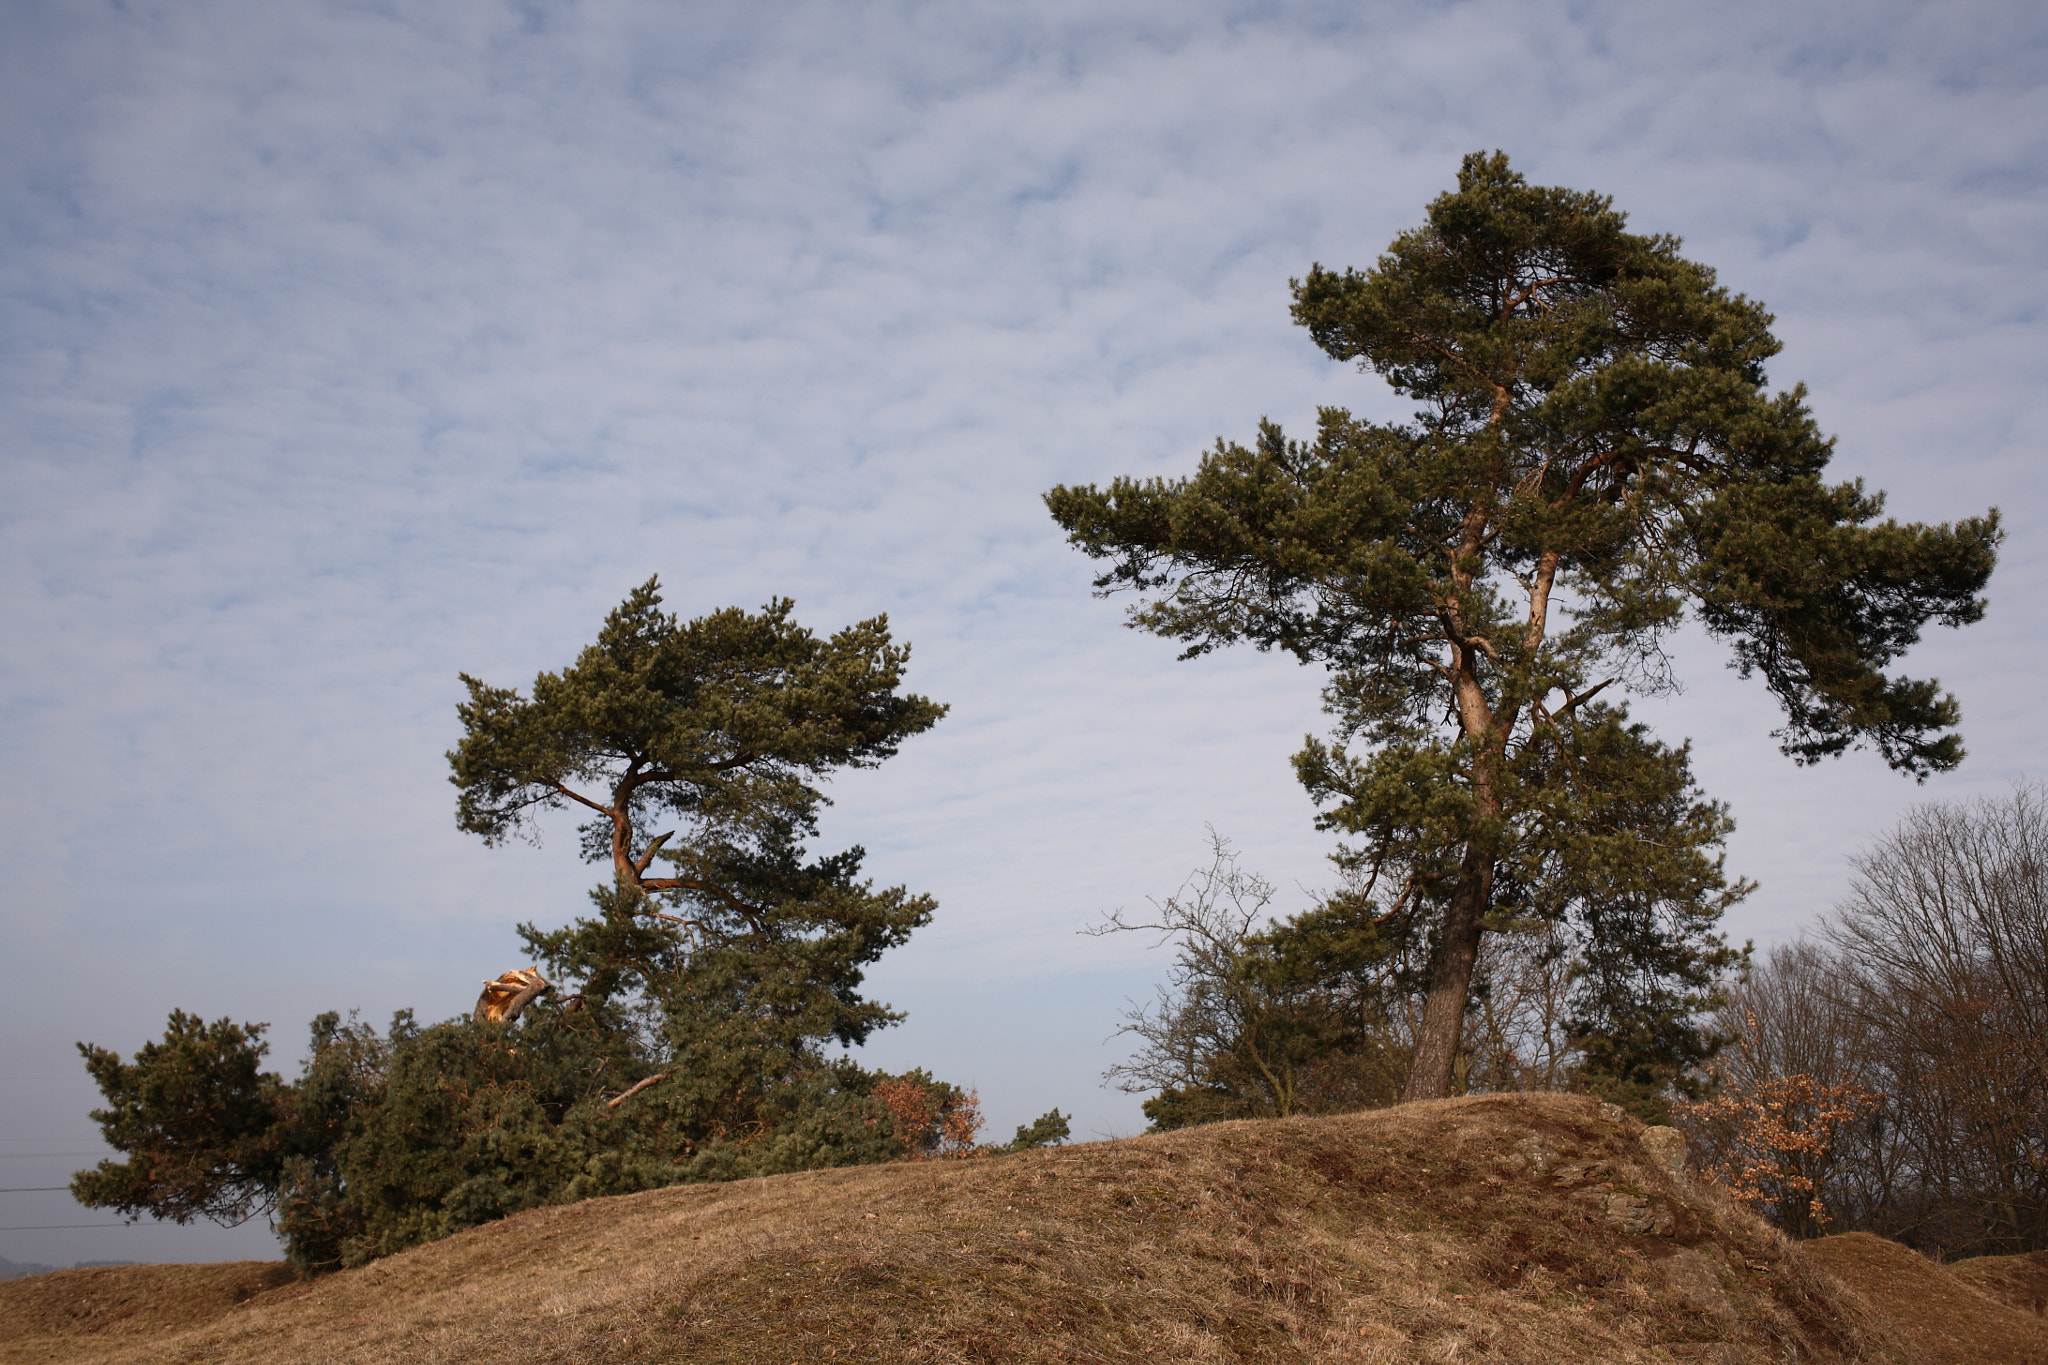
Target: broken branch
<point>504,998</point>
<point>622,1097</point>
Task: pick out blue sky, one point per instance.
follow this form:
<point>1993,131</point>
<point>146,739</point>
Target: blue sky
<point>351,345</point>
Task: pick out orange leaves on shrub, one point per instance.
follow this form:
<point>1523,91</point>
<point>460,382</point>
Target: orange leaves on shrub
<point>1773,1137</point>
<point>931,1119</point>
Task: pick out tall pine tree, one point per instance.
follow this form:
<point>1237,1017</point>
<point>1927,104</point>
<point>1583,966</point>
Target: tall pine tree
<point>1595,454</point>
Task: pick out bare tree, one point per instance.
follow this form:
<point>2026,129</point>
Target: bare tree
<point>1797,1123</point>
<point>1943,952</point>
<point>1234,1033</point>
<point>1518,1034</point>
<point>1927,992</point>
<point>1251,1022</point>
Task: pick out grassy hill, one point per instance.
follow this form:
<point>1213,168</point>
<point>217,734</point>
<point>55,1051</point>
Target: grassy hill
<point>1524,1228</point>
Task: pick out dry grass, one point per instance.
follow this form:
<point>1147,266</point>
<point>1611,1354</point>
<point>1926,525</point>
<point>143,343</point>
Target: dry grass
<point>70,1314</point>
<point>1943,1318</point>
<point>1491,1228</point>
<point>2020,1281</point>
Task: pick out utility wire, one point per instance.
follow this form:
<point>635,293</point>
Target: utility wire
<point>31,1189</point>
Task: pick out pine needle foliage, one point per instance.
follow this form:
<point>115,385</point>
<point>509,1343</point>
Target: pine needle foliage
<point>690,1031</point>
<point>1595,456</point>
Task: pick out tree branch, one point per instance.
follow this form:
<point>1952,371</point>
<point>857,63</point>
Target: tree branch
<point>1587,695</point>
<point>578,796</point>
<point>619,1099</point>
<point>505,997</point>
<point>645,859</point>
<point>744,910</point>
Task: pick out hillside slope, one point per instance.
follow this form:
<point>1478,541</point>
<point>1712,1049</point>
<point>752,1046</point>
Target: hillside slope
<point>1965,1313</point>
<point>2018,1281</point>
<point>1513,1228</point>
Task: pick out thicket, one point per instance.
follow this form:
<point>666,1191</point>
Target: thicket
<point>1888,1075</point>
<point>1893,1071</point>
<point>688,1032</point>
<point>1262,1017</point>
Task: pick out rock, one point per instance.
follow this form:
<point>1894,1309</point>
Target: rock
<point>1579,1173</point>
<point>1533,1154</point>
<point>1627,1210</point>
<point>1666,1147</point>
<point>1694,1279</point>
<point>1639,1213</point>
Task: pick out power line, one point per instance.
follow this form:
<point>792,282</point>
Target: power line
<point>33,1189</point>
<point>54,1227</point>
<point>102,1152</point>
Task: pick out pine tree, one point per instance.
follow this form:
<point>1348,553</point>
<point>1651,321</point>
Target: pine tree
<point>693,1043</point>
<point>742,958</point>
<point>1595,454</point>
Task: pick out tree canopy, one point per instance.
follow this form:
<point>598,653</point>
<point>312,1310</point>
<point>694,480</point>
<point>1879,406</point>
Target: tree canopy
<point>749,953</point>
<point>691,1042</point>
<point>726,724</point>
<point>1595,456</point>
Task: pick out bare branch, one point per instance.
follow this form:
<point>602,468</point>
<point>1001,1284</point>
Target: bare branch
<point>619,1099</point>
<point>580,797</point>
<point>653,848</point>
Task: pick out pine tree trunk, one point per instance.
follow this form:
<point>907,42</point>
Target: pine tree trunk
<point>1457,946</point>
<point>1450,982</point>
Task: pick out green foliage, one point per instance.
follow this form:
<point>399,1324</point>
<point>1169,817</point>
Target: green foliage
<point>388,1141</point>
<point>1594,456</point>
<point>692,1040</point>
<point>1050,1129</point>
<point>429,1130</point>
<point>725,724</point>
<point>199,1121</point>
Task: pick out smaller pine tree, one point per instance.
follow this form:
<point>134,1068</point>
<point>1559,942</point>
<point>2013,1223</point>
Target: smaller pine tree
<point>689,1036</point>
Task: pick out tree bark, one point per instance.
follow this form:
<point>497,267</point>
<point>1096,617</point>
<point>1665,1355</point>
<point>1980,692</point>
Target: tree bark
<point>1450,981</point>
<point>504,998</point>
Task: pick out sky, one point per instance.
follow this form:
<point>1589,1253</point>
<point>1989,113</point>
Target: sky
<point>349,346</point>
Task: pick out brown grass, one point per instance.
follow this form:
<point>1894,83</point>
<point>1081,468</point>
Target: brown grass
<point>1942,1317</point>
<point>68,1314</point>
<point>1492,1228</point>
<point>2019,1281</point>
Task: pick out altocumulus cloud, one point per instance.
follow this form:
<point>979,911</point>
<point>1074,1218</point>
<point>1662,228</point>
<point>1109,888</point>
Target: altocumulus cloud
<point>348,346</point>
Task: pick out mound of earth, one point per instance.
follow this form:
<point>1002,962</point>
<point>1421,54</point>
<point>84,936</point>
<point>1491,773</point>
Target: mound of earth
<point>2019,1281</point>
<point>1510,1228</point>
<point>69,1315</point>
<point>1941,1313</point>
